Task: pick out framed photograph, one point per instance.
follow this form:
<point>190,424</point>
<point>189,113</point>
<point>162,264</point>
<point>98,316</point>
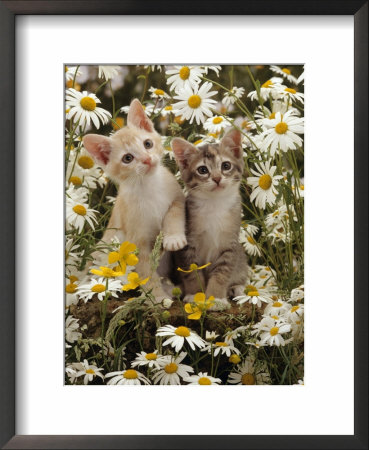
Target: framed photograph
<point>178,222</point>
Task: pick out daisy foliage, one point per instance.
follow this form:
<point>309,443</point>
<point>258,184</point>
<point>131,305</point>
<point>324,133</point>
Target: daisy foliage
<point>117,330</point>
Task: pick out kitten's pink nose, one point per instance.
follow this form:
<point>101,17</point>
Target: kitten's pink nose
<point>216,179</point>
<point>147,161</point>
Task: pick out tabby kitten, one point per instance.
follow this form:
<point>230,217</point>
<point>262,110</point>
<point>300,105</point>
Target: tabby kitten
<point>212,174</point>
<point>149,198</point>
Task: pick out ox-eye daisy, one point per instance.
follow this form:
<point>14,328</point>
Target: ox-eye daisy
<point>108,72</point>
<point>179,335</point>
<point>281,133</point>
<point>249,243</point>
<point>184,76</point>
<point>98,286</point>
<point>127,377</point>
<point>271,331</point>
<point>222,347</point>
<point>202,379</point>
<point>158,93</point>
<point>247,374</point>
<point>285,73</point>
<point>90,371</point>
<point>172,370</point>
<point>264,184</point>
<point>232,96</point>
<point>253,296</point>
<point>216,124</point>
<point>277,308</point>
<point>71,72</point>
<point>295,313</point>
<point>269,88</point>
<point>78,213</point>
<point>290,94</point>
<point>152,360</point>
<point>195,103</point>
<point>83,108</point>
<point>83,170</point>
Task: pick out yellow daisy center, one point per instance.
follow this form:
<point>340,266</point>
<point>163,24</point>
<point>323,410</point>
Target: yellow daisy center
<point>234,359</point>
<point>66,69</point>
<point>168,108</point>
<point>73,278</point>
<point>248,379</point>
<point>253,293</point>
<point>171,368</point>
<point>290,90</point>
<point>281,127</point>
<point>245,124</point>
<point>221,344</point>
<point>75,180</point>
<point>265,181</point>
<point>91,371</point>
<point>194,101</point>
<point>287,71</point>
<point>276,212</point>
<point>198,142</point>
<point>204,381</point>
<point>251,240</point>
<point>98,288</point>
<point>274,331</point>
<point>80,210</point>
<point>86,162</point>
<point>71,288</point>
<point>151,356</point>
<point>267,84</point>
<point>272,116</point>
<point>302,187</point>
<point>298,322</point>
<point>130,374</point>
<point>159,92</point>
<point>182,331</point>
<point>217,120</point>
<point>88,103</point>
<point>275,317</point>
<point>294,308</point>
<point>277,304</point>
<point>184,73</point>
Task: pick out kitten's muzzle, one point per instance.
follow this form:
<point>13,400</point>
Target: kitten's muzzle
<point>216,180</point>
<point>148,161</point>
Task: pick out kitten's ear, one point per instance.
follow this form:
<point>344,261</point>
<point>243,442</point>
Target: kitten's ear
<point>137,117</point>
<point>183,151</point>
<point>99,147</point>
<point>232,141</point>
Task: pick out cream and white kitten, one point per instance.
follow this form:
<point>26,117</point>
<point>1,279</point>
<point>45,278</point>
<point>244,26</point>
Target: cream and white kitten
<point>149,198</point>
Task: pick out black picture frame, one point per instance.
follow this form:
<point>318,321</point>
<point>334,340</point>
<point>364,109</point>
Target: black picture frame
<point>8,12</point>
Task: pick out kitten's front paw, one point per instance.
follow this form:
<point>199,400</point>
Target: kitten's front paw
<point>220,304</point>
<point>174,242</point>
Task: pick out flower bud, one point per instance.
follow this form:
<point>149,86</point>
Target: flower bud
<point>176,292</point>
<point>234,359</point>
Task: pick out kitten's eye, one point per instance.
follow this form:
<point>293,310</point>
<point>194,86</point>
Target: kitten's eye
<point>148,143</point>
<point>127,158</point>
<point>226,165</point>
<point>202,170</point>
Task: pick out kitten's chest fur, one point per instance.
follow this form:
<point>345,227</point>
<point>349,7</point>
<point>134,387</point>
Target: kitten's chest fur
<point>143,205</point>
<point>212,225</point>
